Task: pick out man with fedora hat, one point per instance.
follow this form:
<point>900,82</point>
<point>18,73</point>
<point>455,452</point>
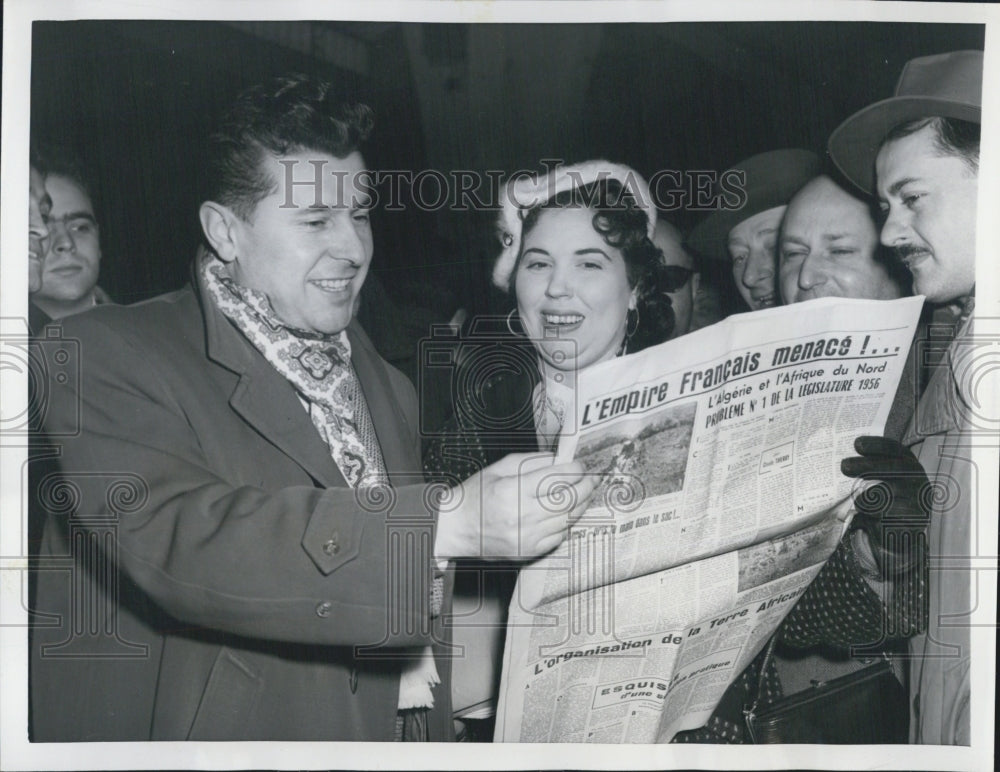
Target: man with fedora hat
<point>918,151</point>
<point>748,236</point>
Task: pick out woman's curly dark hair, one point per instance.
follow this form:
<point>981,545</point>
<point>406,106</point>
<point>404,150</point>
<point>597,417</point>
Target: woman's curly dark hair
<point>623,225</point>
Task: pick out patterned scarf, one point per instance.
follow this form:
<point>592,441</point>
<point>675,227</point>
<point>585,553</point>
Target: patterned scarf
<point>318,366</point>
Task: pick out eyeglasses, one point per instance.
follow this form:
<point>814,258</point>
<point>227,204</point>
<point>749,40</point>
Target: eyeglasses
<point>675,277</point>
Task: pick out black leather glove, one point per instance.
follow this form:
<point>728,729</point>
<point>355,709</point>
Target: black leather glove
<point>894,512</point>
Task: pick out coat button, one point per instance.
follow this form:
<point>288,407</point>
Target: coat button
<point>352,680</point>
<point>332,545</point>
<point>323,609</point>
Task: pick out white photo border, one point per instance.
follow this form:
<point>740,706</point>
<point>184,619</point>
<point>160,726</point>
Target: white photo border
<point>16,753</point>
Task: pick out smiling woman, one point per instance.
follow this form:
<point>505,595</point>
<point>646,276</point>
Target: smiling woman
<point>571,285</point>
<point>587,280</point>
<point>588,285</point>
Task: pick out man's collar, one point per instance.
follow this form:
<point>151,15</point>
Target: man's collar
<point>223,342</point>
<point>943,406</point>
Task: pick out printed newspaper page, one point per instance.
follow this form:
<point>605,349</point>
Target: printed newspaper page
<point>721,498</point>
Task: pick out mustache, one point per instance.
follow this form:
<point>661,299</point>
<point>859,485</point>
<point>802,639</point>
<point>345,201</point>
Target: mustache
<point>908,250</point>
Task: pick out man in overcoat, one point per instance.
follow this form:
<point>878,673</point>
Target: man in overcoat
<point>918,153</point>
<point>239,544</point>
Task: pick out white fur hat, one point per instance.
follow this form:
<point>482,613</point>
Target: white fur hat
<point>523,192</point>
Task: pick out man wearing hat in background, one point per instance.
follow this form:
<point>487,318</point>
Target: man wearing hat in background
<point>919,153</point>
<point>748,236</point>
<point>695,303</point>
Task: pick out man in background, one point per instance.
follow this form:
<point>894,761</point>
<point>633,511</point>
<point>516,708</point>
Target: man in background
<point>695,304</point>
<point>73,259</point>
<point>747,237</point>
<point>829,247</point>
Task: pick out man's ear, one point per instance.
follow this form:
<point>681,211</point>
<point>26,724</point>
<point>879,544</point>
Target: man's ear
<point>221,227</point>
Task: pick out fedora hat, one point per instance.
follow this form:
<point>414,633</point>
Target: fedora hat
<point>946,85</point>
<point>772,179</point>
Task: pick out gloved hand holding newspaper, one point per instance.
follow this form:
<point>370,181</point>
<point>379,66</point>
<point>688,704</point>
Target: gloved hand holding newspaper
<point>893,512</point>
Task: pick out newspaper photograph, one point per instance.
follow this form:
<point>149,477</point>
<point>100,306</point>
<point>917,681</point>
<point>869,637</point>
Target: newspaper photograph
<point>720,499</point>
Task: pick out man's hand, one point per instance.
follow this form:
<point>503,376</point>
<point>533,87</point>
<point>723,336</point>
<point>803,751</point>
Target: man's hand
<point>896,510</point>
<point>521,507</point>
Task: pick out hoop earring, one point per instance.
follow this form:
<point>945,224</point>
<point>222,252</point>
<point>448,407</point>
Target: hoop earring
<point>510,328</point>
<point>630,329</point>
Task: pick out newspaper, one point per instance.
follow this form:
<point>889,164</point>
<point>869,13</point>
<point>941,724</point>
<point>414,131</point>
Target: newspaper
<point>721,498</point>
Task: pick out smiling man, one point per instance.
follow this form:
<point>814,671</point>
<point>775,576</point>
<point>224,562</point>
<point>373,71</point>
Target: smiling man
<point>747,235</point>
<point>73,258</point>
<point>918,154</point>
<point>279,569</point>
<point>829,247</point>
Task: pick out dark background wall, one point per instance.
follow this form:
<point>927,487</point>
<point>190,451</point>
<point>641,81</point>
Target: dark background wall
<point>136,98</point>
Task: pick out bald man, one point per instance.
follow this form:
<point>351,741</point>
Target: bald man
<point>829,247</point>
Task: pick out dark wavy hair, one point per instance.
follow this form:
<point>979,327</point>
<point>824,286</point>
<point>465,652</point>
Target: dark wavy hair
<point>623,225</point>
<point>952,136</point>
<point>287,114</point>
<point>62,161</point>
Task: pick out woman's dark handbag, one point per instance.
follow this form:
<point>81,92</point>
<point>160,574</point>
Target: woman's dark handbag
<point>868,706</point>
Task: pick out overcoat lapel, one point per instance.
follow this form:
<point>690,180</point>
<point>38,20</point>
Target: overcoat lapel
<point>265,399</point>
<point>268,402</point>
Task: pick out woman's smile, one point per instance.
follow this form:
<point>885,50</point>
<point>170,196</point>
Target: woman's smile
<point>571,285</point>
